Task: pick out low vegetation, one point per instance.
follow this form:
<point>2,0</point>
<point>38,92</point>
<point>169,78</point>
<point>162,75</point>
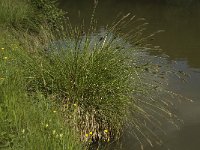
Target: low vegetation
<point>64,87</point>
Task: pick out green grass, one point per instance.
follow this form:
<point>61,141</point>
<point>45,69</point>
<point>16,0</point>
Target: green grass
<point>32,124</point>
<point>30,15</point>
<point>99,88</point>
<point>79,77</point>
<point>29,121</point>
<point>63,90</point>
<point>13,12</point>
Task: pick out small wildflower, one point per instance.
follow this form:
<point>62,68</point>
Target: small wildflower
<point>2,48</point>
<point>75,105</point>
<point>86,135</point>
<point>90,133</point>
<point>61,135</point>
<point>54,132</point>
<point>105,131</point>
<point>54,111</point>
<point>5,58</point>
<point>46,125</point>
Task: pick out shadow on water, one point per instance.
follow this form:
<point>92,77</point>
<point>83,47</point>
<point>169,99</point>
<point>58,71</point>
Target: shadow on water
<point>181,42</point>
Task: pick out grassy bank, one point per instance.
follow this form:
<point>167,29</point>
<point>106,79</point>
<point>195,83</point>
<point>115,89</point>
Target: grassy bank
<point>32,123</point>
<point>27,120</point>
<point>65,86</point>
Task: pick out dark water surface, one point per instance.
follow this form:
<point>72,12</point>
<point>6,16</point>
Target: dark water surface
<point>181,41</point>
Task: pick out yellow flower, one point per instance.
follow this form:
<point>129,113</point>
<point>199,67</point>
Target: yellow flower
<point>86,135</point>
<point>90,133</point>
<point>54,111</point>
<point>5,58</point>
<point>105,131</point>
<point>2,48</point>
<point>46,125</point>
<point>75,105</point>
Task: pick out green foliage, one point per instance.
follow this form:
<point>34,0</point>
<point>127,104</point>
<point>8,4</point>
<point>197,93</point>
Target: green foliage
<point>36,126</point>
<point>29,121</point>
<point>13,12</point>
<point>31,14</point>
<point>96,80</point>
<point>101,86</point>
<point>46,11</point>
<point>98,83</point>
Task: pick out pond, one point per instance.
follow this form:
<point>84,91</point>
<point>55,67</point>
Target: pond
<point>181,42</point>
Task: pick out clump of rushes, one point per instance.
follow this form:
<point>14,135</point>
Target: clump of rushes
<point>92,83</point>
<point>101,82</point>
